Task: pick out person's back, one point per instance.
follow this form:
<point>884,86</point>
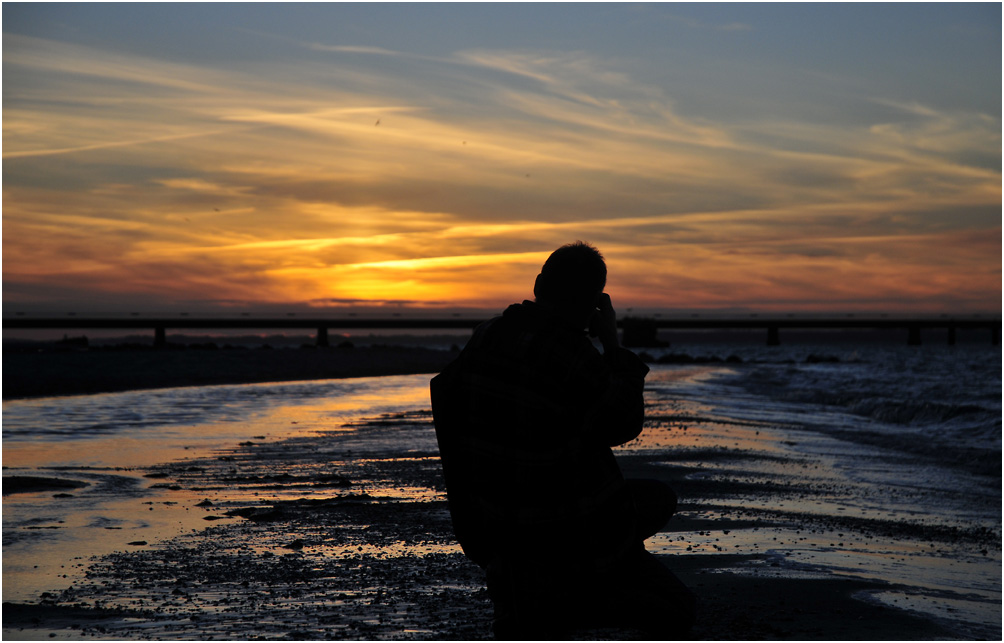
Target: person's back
<point>534,461</point>
<point>525,419</point>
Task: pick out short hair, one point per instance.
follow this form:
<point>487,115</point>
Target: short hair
<point>572,276</point>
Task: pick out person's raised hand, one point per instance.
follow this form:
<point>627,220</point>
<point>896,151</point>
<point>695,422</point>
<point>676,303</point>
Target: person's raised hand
<point>603,323</point>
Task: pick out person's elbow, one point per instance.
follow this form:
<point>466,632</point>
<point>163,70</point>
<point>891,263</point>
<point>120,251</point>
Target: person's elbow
<point>624,429</point>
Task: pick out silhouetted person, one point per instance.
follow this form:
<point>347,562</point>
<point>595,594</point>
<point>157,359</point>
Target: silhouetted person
<point>525,419</point>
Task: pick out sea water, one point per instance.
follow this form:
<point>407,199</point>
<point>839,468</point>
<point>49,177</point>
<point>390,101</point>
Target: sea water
<point>909,433</point>
<point>933,400</point>
<point>942,401</point>
<point>898,446</point>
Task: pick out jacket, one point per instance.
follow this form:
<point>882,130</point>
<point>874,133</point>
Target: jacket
<point>525,419</point>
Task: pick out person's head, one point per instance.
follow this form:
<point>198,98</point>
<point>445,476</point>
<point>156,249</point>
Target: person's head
<point>572,278</point>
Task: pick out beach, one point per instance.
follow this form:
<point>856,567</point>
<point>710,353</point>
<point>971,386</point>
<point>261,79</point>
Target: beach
<point>324,517</point>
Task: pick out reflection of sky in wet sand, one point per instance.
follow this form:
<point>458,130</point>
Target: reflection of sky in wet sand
<point>144,428</point>
<point>47,540</point>
<point>955,582</point>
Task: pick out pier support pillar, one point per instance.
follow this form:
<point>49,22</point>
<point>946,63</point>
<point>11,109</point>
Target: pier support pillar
<point>913,336</point>
<point>773,336</point>
<point>322,337</point>
<point>951,335</point>
<point>640,333</point>
<point>159,337</point>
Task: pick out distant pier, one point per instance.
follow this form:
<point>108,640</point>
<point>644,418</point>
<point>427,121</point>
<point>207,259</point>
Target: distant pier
<point>643,331</point>
<point>637,331</point>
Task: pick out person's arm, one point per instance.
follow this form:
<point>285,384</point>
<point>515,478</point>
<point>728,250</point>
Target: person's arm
<point>619,412</point>
<point>603,324</point>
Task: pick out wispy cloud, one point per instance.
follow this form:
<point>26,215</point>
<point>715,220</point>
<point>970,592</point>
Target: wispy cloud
<point>353,49</point>
<point>701,25</point>
<point>43,56</point>
<point>111,144</point>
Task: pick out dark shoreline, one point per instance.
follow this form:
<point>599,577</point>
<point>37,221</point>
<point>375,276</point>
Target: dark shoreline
<point>51,373</point>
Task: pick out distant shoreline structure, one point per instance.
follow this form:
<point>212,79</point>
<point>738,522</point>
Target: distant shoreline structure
<point>637,331</point>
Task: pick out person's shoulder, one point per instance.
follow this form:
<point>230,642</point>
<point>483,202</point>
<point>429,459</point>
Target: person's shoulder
<point>515,316</point>
<point>521,311</point>
<point>487,325</point>
<point>486,330</point>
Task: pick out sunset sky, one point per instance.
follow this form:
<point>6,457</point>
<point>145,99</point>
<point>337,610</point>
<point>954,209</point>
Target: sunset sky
<point>244,157</point>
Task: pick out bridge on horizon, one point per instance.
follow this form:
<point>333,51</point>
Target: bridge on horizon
<point>637,330</point>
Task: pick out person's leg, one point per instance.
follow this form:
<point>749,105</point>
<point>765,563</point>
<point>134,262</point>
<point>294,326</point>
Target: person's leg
<point>532,600</point>
<point>541,594</point>
<point>655,502</point>
<point>541,602</point>
<point>655,599</point>
<point>641,594</point>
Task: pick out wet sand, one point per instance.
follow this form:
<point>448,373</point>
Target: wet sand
<point>300,548</point>
<point>310,538</point>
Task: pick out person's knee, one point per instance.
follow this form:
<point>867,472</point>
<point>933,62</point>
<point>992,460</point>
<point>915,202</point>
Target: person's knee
<point>651,492</point>
<point>655,503</point>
